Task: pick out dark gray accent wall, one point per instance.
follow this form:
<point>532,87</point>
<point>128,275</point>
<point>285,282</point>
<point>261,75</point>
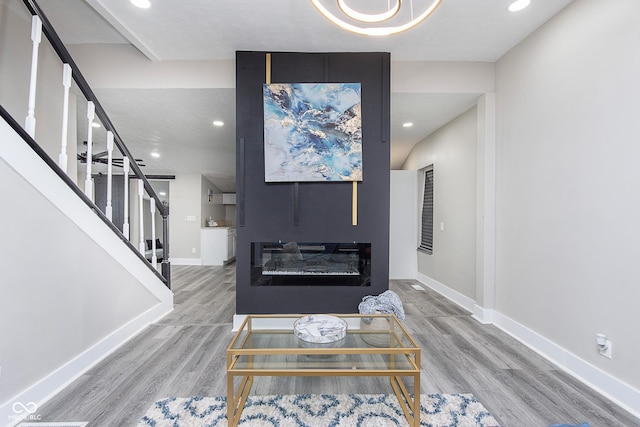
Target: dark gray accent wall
<point>268,212</point>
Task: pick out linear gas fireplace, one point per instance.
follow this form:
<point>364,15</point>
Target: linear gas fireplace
<point>310,264</point>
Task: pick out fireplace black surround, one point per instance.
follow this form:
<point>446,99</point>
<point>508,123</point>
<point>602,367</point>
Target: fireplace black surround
<point>312,215</point>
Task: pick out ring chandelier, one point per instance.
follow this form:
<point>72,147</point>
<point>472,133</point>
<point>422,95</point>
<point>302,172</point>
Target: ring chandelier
<point>372,24</point>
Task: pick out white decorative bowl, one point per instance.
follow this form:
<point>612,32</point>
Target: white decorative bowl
<point>320,328</point>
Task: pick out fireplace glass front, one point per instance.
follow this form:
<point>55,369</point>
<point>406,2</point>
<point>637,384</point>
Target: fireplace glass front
<point>310,264</point>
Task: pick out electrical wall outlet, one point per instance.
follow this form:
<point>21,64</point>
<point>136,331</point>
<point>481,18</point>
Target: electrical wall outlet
<point>606,351</point>
<point>193,250</point>
<point>604,345</point>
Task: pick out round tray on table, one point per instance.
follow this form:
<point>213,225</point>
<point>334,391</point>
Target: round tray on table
<point>320,329</point>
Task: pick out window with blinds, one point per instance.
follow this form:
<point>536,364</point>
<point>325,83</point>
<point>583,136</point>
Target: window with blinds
<point>426,229</point>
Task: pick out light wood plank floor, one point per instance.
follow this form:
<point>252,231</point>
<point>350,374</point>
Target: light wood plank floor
<point>184,355</point>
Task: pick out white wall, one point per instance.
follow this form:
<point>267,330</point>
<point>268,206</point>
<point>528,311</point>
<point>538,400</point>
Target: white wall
<point>214,208</point>
<point>67,300</point>
<point>185,200</point>
<point>230,213</point>
<point>188,197</point>
<point>125,67</point>
<point>568,205</point>
<point>403,228</point>
<point>452,152</point>
<point>66,305</point>
<point>442,77</point>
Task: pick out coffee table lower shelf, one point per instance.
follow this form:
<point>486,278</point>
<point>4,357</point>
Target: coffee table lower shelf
<point>409,403</point>
<point>262,350</point>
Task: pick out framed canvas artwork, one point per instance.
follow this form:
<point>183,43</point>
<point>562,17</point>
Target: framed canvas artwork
<point>312,132</point>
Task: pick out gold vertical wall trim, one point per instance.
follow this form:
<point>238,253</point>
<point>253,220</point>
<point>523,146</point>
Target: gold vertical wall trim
<point>354,204</point>
<point>268,78</point>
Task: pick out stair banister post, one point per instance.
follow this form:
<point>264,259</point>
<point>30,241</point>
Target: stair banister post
<point>66,83</point>
<point>165,265</point>
<point>154,257</point>
<point>125,224</point>
<point>88,183</point>
<point>36,37</point>
<point>109,208</point>
<point>141,246</point>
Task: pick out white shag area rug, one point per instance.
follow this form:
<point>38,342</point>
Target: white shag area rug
<point>320,410</point>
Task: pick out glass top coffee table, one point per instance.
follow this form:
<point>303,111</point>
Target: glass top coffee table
<point>374,345</point>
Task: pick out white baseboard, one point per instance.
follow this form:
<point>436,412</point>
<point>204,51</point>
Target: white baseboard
<point>609,386</point>
<point>55,382</point>
<point>185,261</point>
<point>237,321</point>
<point>455,296</point>
<point>483,315</point>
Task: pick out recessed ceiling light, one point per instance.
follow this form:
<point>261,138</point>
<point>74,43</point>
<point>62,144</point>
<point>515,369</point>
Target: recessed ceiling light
<point>162,193</point>
<point>142,4</point>
<point>407,125</point>
<point>218,123</point>
<point>154,154</point>
<point>95,125</point>
<point>518,5</point>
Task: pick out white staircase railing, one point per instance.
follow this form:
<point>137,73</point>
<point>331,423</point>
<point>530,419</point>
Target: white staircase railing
<point>41,25</point>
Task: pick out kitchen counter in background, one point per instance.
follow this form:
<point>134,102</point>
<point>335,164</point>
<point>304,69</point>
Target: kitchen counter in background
<point>218,245</point>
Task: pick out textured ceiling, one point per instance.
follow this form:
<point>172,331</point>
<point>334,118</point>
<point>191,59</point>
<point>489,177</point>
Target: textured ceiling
<point>178,120</point>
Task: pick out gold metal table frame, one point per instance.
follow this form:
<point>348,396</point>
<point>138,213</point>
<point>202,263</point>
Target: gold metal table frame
<point>375,345</point>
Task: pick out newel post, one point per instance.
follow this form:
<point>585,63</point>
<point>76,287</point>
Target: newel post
<point>166,265</point>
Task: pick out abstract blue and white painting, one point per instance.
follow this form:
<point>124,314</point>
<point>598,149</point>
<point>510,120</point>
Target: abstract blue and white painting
<point>312,132</point>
